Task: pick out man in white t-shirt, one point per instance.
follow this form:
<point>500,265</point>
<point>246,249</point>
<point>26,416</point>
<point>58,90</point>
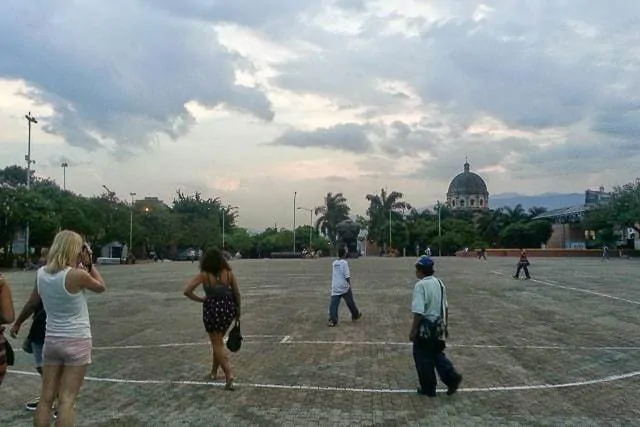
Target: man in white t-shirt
<point>430,302</point>
<point>341,288</point>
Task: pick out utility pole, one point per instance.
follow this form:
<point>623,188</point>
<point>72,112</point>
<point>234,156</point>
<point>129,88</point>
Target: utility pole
<point>310,224</point>
<point>389,230</point>
<point>64,166</point>
<point>130,251</point>
<point>439,229</point>
<point>30,120</point>
<point>295,193</point>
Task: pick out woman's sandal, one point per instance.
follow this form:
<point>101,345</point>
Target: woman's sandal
<point>229,385</point>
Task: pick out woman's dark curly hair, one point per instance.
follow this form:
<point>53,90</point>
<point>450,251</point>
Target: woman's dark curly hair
<point>213,262</point>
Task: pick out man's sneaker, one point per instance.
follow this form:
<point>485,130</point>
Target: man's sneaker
<point>332,323</point>
<point>454,386</point>
<point>32,405</point>
<point>357,316</point>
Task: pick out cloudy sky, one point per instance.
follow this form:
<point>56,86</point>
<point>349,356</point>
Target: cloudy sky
<point>251,100</point>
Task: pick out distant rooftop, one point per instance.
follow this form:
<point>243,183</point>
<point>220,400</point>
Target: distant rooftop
<point>572,211</point>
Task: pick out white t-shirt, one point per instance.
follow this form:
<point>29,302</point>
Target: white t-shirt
<point>341,273</point>
<point>426,298</point>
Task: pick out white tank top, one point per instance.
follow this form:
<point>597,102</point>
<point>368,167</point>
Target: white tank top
<point>67,313</point>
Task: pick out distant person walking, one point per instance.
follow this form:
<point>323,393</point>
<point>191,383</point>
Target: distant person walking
<point>482,254</point>
<point>62,283</point>
<point>523,264</point>
<point>220,307</point>
<point>605,253</point>
<point>341,288</point>
<point>6,316</point>
<point>429,331</point>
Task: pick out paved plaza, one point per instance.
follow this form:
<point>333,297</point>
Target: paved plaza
<point>561,349</point>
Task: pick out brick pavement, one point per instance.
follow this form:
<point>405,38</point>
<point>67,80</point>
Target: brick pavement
<point>288,298</point>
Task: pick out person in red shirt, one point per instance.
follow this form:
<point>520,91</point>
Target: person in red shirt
<point>523,264</point>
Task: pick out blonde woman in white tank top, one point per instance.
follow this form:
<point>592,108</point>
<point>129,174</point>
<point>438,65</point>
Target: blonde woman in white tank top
<point>61,284</point>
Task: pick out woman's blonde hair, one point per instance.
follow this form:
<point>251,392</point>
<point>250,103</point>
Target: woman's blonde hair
<point>64,251</point>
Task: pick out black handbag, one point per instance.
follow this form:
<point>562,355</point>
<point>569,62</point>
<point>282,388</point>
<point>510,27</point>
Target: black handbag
<point>234,341</point>
<point>433,330</point>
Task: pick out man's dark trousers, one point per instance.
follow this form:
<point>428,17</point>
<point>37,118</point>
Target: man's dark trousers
<point>525,267</point>
<point>429,358</point>
<point>334,305</point>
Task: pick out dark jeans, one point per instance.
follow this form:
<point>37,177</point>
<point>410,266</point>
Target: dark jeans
<point>524,267</point>
<point>428,360</point>
<point>334,305</point>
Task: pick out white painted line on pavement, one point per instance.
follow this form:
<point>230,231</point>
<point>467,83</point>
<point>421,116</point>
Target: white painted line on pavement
<point>586,291</point>
<point>603,380</point>
<point>570,288</point>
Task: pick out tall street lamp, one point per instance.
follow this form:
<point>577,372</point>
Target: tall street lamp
<point>131,226</point>
<point>439,228</point>
<point>295,193</point>
<point>310,223</point>
<point>390,230</point>
<point>64,166</point>
<point>30,120</point>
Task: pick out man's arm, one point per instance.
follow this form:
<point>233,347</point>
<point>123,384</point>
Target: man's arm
<point>29,308</point>
<point>347,273</point>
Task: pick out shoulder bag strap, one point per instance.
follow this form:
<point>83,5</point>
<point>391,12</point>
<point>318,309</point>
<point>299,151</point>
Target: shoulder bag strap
<point>441,299</point>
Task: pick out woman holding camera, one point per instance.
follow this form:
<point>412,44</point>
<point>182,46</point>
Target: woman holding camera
<point>62,283</point>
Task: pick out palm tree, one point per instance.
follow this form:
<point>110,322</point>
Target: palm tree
<point>536,210</point>
<point>334,210</point>
<point>490,223</point>
<point>515,214</point>
<point>381,206</point>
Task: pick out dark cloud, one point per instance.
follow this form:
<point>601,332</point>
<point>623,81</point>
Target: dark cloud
<point>263,13</point>
<point>337,179</point>
<point>346,137</point>
<point>352,5</point>
<point>119,71</point>
<point>533,66</point>
<point>409,140</point>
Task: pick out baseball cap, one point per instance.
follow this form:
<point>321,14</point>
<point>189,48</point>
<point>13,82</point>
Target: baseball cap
<point>425,261</point>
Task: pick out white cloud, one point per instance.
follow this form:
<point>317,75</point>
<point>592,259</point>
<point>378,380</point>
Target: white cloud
<point>150,96</point>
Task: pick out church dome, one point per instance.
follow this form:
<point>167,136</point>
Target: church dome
<point>467,183</point>
<point>468,191</point>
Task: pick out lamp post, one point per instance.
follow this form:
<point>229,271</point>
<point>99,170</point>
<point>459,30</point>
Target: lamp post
<point>30,120</point>
<point>389,230</point>
<point>295,193</point>
<point>64,166</point>
<point>439,229</point>
<point>130,252</point>
<point>310,224</point>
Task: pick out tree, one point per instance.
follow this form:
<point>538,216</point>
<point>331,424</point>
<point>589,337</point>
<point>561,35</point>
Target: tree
<point>380,212</point>
<point>334,210</point>
<point>536,210</point>
<point>526,234</point>
<point>515,214</point>
<point>625,205</point>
